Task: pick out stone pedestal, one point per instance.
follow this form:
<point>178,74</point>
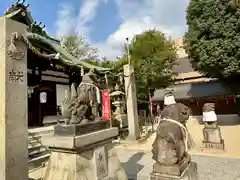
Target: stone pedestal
<point>212,139</point>
<point>87,157</point>
<point>131,102</point>
<point>190,173</point>
<point>13,109</point>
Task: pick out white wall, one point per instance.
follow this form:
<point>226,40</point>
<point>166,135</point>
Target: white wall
<point>61,93</point>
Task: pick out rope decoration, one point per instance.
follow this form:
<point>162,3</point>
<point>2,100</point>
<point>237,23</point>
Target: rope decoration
<point>13,49</point>
<point>183,128</point>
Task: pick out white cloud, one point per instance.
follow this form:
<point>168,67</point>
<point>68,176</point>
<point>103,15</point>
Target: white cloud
<point>137,16</point>
<point>68,22</point>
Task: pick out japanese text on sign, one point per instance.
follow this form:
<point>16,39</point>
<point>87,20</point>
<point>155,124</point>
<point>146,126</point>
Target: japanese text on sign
<point>106,112</point>
<point>16,76</point>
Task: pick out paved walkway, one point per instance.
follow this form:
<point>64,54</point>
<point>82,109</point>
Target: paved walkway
<point>138,166</point>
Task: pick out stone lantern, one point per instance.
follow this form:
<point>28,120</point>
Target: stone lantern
<point>119,115</point>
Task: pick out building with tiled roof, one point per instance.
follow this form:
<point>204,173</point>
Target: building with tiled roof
<point>194,89</point>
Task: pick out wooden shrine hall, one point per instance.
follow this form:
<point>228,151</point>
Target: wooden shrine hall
<point>51,68</point>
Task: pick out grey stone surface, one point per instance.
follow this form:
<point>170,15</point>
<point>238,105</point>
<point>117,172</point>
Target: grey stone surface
<point>138,166</point>
<point>80,129</point>
<point>13,98</point>
<point>71,142</point>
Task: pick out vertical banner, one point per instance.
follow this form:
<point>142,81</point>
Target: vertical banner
<point>151,110</point>
<point>106,105</point>
<point>150,104</point>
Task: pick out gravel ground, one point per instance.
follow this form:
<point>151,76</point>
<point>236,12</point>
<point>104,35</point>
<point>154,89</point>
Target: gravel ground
<point>138,166</point>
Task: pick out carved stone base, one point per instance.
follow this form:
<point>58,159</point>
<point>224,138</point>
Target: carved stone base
<point>213,141</point>
<point>212,135</point>
<point>213,147</point>
<point>174,170</point>
<point>190,173</point>
<point>89,157</point>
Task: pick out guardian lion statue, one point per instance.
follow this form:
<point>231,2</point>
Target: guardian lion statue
<point>170,148</point>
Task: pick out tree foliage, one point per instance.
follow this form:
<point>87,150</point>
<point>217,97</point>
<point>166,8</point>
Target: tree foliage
<point>153,57</point>
<point>79,48</point>
<point>213,38</point>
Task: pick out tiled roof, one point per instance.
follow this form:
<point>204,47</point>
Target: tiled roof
<point>183,65</point>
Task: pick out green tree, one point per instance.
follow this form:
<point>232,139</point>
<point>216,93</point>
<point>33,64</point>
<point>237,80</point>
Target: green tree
<point>213,39</point>
<point>153,57</point>
<point>79,48</point>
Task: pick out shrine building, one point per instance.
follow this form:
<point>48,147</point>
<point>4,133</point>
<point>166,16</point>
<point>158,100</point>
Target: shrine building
<point>193,89</point>
<point>51,69</point>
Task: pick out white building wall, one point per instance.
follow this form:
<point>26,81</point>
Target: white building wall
<point>61,93</point>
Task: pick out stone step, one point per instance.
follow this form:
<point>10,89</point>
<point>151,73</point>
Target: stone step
<point>34,145</point>
<point>37,151</point>
<point>46,155</point>
<point>40,131</point>
<point>38,161</point>
<point>39,136</point>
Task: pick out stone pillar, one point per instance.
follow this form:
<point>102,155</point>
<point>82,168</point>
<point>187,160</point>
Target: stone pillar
<point>212,139</point>
<point>131,101</point>
<point>13,109</point>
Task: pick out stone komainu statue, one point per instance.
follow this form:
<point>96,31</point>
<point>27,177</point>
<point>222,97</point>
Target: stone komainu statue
<point>209,115</point>
<point>170,145</point>
<point>207,107</point>
<point>82,105</point>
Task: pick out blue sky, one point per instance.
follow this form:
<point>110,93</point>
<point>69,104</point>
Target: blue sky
<point>106,23</point>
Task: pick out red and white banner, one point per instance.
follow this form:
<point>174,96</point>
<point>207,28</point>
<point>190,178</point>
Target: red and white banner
<point>106,111</point>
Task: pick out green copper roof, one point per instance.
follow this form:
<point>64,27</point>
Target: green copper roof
<point>64,55</point>
<point>18,12</point>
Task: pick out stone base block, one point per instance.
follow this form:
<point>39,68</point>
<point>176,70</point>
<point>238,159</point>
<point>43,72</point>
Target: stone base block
<point>190,173</point>
<point>174,170</point>
<point>212,135</point>
<point>86,157</point>
<point>213,147</point>
<point>80,129</point>
<point>80,141</point>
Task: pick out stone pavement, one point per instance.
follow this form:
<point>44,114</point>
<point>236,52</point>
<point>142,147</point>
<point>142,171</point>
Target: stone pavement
<point>138,166</point>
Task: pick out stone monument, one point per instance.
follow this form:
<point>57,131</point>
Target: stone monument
<point>131,102</point>
<point>13,95</point>
<point>212,139</point>
<point>82,148</point>
<point>170,148</point>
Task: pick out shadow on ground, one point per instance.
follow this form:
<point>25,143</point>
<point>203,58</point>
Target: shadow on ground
<point>132,167</point>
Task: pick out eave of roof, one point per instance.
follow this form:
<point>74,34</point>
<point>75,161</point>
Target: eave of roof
<point>65,57</point>
<point>185,91</point>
